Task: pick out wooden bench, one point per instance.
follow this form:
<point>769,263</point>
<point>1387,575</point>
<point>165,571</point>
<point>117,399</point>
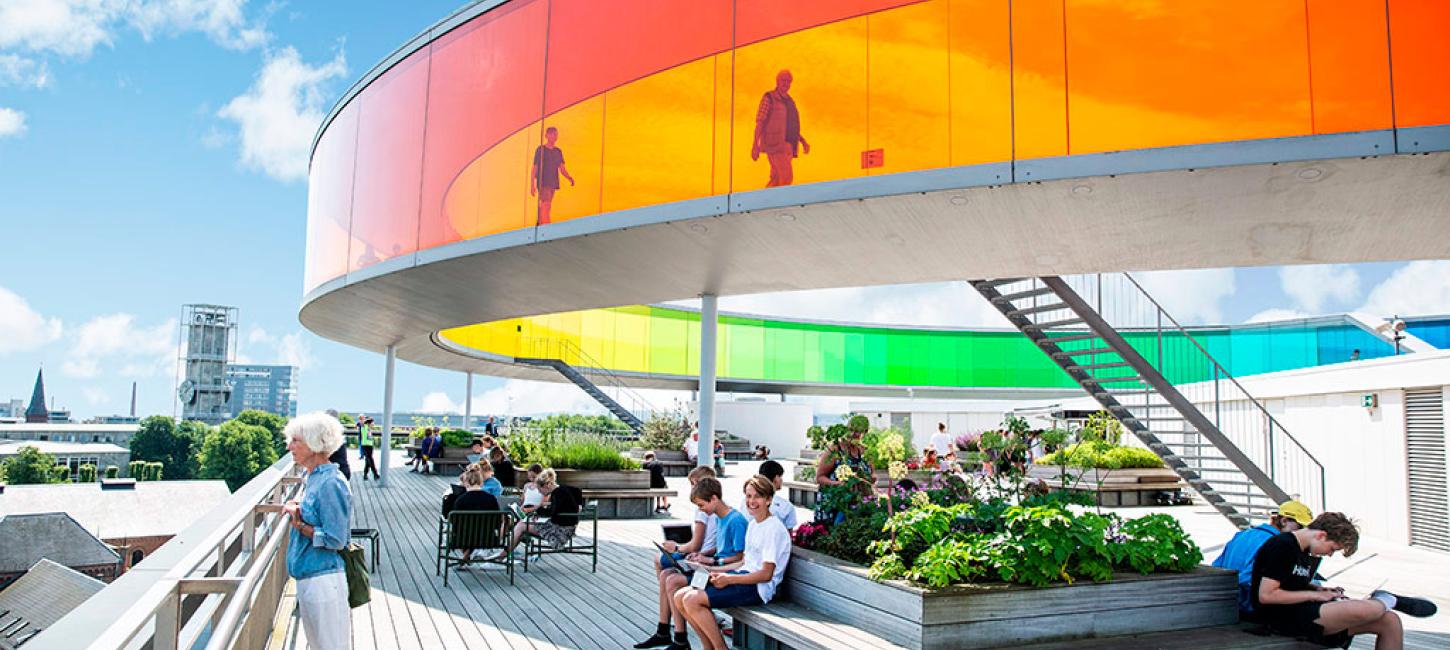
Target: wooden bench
<point>1241,636</point>
<point>802,493</point>
<point>787,626</point>
<point>634,503</point>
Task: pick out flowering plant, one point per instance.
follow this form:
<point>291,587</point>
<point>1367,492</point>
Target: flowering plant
<point>806,534</point>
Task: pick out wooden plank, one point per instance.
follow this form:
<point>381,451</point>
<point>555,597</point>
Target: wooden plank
<point>805,629</point>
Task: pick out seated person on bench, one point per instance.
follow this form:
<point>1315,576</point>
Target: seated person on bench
<point>729,545</point>
<point>562,512</point>
<point>1239,553</point>
<point>780,506</point>
<point>491,484</point>
<point>533,498</point>
<point>475,452</point>
<point>656,479</point>
<point>503,468</point>
<point>1289,604</point>
<point>751,581</point>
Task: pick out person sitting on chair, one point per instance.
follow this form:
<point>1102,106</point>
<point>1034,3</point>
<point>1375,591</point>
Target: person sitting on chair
<point>533,498</point>
<point>503,468</point>
<point>491,483</point>
<point>475,452</point>
<point>562,511</point>
<point>471,497</point>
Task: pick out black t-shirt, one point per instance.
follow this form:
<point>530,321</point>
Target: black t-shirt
<point>1281,559</point>
<point>656,474</point>
<point>469,500</point>
<point>504,471</point>
<point>548,160</point>
<point>563,508</point>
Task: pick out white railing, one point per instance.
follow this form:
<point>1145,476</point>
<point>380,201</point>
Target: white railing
<point>215,585</point>
<point>596,372</point>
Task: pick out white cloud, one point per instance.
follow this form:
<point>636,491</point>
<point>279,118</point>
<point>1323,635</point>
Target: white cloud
<point>22,328</point>
<point>294,350</point>
<point>12,122</point>
<point>116,341</point>
<point>74,28</point>
<point>1192,296</point>
<point>261,346</point>
<point>1416,288</point>
<point>95,396</point>
<point>258,335</point>
<point>16,70</point>
<point>280,112</point>
<point>935,304</point>
<point>1275,314</point>
<point>1315,286</point>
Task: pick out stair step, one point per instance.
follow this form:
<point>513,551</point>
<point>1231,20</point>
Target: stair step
<point>1038,309</point>
<point>1200,445</point>
<point>1229,482</point>
<point>1248,495</point>
<point>991,284</point>
<point>1252,506</point>
<point>1115,380</point>
<point>1099,366</point>
<point>1010,298</point>
<point>1067,338</point>
<point>1066,322</point>
<point>1188,458</point>
<point>1085,351</point>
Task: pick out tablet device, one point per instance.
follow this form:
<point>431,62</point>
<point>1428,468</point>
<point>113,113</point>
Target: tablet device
<point>700,579</point>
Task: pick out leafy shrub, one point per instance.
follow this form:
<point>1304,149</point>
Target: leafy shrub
<point>665,430</point>
<point>884,446</point>
<point>816,434</point>
<point>112,471</point>
<point>1133,457</point>
<point>1102,426</point>
<point>60,474</point>
<point>968,442</point>
<point>567,450</point>
<point>135,468</point>
<point>456,438</point>
<point>805,472</point>
<point>1098,454</point>
<point>858,424</point>
<point>850,538</point>
<point>87,474</point>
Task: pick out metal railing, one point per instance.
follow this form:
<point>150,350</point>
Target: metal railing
<point>1187,364</point>
<point>596,372</point>
<point>215,585</point>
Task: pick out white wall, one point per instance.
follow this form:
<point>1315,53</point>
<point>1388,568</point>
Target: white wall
<point>778,425</point>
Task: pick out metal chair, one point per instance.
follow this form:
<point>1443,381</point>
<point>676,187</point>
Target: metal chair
<point>476,531</point>
<point>534,546</point>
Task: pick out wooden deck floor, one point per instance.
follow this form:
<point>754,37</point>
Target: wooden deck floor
<point>560,604</point>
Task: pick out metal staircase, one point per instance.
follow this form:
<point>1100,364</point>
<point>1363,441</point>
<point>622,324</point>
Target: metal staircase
<point>1142,367</point>
<point>556,354</point>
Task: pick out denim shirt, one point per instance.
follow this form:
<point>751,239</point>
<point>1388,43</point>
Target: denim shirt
<point>327,506</point>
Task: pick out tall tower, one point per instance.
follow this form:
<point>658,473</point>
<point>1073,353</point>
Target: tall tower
<point>209,335</point>
<point>38,411</point>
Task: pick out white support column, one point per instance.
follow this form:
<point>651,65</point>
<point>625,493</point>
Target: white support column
<point>709,320</point>
<point>390,360</point>
<point>468,403</point>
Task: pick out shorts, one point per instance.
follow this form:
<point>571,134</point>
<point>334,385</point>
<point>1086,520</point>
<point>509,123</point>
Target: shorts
<point>1297,620</point>
<point>734,595</point>
<point>546,194</point>
<point>664,564</point>
<point>553,534</point>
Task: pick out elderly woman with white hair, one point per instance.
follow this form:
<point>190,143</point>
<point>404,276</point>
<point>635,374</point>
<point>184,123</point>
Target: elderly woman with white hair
<point>320,529</point>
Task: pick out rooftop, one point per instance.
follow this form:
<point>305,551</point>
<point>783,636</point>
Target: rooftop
<point>40,597</point>
<point>68,427</point>
<point>12,447</point>
<point>150,508</point>
<point>28,538</point>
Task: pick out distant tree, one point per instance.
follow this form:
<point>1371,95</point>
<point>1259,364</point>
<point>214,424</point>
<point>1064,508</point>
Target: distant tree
<point>346,420</point>
<point>87,474</point>
<point>272,422</point>
<point>112,471</point>
<point>60,474</point>
<point>161,440</point>
<point>153,471</point>
<point>235,452</point>
<point>30,467</point>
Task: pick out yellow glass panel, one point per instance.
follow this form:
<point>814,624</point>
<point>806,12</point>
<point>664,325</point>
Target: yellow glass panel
<point>724,71</point>
<point>909,107</point>
<point>828,67</point>
<point>631,336</point>
<point>581,137</point>
<point>596,329</point>
<point>981,82</point>
<point>491,194</point>
<point>658,135</point>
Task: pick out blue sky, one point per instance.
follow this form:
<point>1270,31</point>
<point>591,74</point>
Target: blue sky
<point>151,154</point>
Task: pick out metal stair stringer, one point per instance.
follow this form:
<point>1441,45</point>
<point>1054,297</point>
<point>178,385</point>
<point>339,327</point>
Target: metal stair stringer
<point>589,387</point>
<point>1104,392</point>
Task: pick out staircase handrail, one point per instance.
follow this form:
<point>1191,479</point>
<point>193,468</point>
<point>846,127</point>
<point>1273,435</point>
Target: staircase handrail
<point>590,365</point>
<point>1218,367</point>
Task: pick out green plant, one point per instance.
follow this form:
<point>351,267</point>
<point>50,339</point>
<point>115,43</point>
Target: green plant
<point>112,471</point>
<point>87,474</point>
<point>1133,457</point>
<point>817,435</point>
<point>1155,543</point>
<point>153,471</point>
<point>805,472</point>
<point>134,469</point>
<point>568,450</point>
<point>31,466</point>
<point>858,424</point>
<point>175,444</point>
<point>884,446</point>
<point>456,438</point>
<point>665,430</point>
<point>235,452</point>
<point>1098,454</point>
<point>60,474</point>
<point>1102,426</point>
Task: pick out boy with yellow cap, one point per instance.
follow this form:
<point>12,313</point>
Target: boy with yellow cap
<point>1239,553</point>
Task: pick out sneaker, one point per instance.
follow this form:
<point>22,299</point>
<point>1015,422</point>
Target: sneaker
<point>492,555</point>
<point>1417,607</point>
<point>677,646</point>
<point>654,641</point>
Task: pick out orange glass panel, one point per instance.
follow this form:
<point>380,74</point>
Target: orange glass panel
<point>1349,61</point>
<point>909,108</point>
<point>488,86</point>
<point>329,199</point>
<point>389,164</point>
<point>659,136</point>
<point>1420,42</point>
<point>596,46</point>
<point>980,59</point>
<point>828,70</point>
<point>1152,74</point>
<point>720,145</point>
<point>581,139</point>
<point>1039,82</point>
<point>757,20</point>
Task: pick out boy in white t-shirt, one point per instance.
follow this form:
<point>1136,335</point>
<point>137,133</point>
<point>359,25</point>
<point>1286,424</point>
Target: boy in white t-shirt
<point>780,506</point>
<point>753,580</point>
<point>702,543</point>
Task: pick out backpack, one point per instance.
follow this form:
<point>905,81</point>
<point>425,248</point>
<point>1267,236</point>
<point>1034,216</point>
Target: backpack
<point>359,584</point>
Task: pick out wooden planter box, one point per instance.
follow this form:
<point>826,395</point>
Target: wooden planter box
<point>603,480</point>
<point>811,454</point>
<point>1112,487</point>
<point>803,493</point>
<point>995,615</point>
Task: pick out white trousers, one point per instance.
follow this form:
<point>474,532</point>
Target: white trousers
<point>326,618</point>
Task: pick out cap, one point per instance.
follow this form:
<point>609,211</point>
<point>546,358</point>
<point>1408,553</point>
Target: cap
<point>1296,511</point>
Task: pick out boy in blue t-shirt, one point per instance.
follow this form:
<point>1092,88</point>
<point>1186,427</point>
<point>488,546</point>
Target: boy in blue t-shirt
<point>1238,554</point>
<point>729,547</point>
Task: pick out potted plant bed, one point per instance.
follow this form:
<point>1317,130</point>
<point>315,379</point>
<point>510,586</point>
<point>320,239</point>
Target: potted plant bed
<point>1112,487</point>
<point>997,614</point>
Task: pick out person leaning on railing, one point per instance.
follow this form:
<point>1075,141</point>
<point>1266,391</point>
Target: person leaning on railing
<point>320,528</point>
